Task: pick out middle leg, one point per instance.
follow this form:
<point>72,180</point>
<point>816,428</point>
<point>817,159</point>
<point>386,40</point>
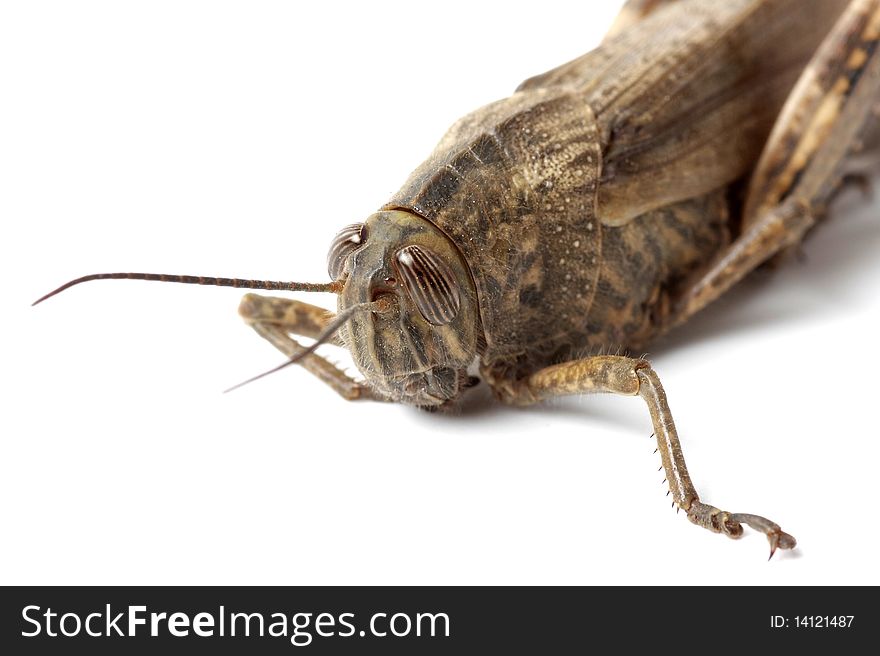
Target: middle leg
<point>631,377</point>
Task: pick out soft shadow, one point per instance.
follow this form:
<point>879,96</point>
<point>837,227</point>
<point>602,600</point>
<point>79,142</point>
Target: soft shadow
<point>789,554</point>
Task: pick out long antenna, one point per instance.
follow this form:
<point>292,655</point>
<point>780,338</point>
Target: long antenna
<point>380,305</point>
<point>332,287</point>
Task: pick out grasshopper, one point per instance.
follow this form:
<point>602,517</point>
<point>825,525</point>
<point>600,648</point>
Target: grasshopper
<point>601,205</point>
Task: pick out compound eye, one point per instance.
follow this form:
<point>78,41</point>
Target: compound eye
<point>346,242</point>
<point>429,282</point>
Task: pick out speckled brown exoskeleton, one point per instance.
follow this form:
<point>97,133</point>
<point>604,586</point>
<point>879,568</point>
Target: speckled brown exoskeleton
<point>603,203</point>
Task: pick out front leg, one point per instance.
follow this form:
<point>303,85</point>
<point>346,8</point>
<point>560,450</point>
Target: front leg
<point>275,319</point>
<point>631,377</point>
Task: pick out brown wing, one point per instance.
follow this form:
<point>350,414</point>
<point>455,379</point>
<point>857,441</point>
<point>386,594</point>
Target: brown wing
<point>685,99</point>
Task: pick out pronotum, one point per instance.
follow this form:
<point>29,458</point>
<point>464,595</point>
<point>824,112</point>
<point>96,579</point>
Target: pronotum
<point>601,205</point>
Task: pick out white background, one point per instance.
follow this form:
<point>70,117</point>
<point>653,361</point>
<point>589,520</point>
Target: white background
<point>234,139</point>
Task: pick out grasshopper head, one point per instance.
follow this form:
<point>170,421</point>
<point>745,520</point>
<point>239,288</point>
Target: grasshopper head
<point>418,351</point>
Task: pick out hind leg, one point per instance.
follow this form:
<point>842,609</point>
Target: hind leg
<point>827,115</point>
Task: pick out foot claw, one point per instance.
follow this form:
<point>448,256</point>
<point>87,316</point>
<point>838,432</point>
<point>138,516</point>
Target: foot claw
<point>719,521</point>
<point>773,538</point>
<point>779,539</point>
